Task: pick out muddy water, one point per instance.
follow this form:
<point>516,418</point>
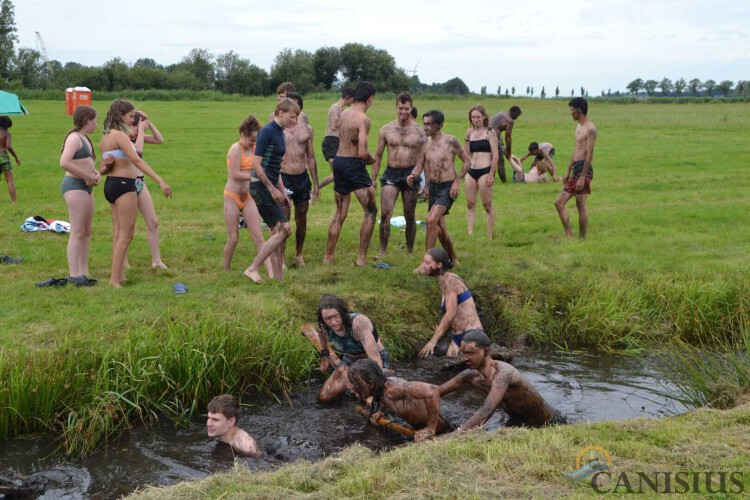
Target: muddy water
<point>584,386</point>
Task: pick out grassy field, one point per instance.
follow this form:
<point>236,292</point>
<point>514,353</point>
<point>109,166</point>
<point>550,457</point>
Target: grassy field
<point>665,258</point>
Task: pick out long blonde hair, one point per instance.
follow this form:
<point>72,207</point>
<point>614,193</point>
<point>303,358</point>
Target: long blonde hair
<point>117,109</point>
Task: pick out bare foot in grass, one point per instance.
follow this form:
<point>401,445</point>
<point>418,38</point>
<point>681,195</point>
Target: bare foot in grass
<point>253,275</point>
<point>115,284</point>
<point>299,261</point>
<point>361,262</point>
<point>329,260</point>
<point>158,265</point>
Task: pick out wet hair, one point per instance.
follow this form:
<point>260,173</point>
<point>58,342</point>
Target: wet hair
<point>370,372</point>
<point>405,97</point>
<point>438,118</point>
<point>515,110</point>
<point>285,87</point>
<point>441,257</point>
<point>296,98</point>
<point>5,122</point>
<point>533,146</point>
<point>226,404</point>
<point>81,116</point>
<point>138,117</point>
<point>478,337</point>
<point>286,105</point>
<point>250,125</point>
<point>364,91</point>
<point>414,113</point>
<point>347,92</point>
<point>114,120</point>
<point>480,108</point>
<point>580,104</point>
<point>330,301</point>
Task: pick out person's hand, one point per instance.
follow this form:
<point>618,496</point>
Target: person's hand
<point>490,181</point>
<point>580,183</point>
<point>18,162</point>
<point>375,184</point>
<point>410,180</point>
<point>426,191</point>
<point>375,417</point>
<point>144,124</point>
<point>556,178</point>
<point>566,178</point>
<point>428,349</point>
<point>455,188</point>
<point>278,196</point>
<point>165,189</point>
<point>315,193</point>
<point>423,435</point>
<point>325,363</point>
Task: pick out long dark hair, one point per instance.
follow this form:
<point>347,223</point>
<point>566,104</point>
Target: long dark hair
<point>369,370</point>
<point>81,116</point>
<point>330,301</point>
<point>441,256</point>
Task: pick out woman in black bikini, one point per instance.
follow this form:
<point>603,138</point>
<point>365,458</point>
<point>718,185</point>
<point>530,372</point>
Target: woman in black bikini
<point>481,144</point>
<point>119,188</point>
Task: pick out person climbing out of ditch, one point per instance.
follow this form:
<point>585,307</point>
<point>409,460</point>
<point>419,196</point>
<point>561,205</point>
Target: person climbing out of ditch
<point>353,337</point>
<point>416,402</point>
<point>223,412</point>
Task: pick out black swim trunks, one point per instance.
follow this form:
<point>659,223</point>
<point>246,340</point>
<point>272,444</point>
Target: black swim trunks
<point>330,147</point>
<point>349,174</point>
<point>114,187</point>
<point>440,194</point>
<point>397,177</point>
<point>271,212</point>
<point>477,173</point>
<point>299,185</point>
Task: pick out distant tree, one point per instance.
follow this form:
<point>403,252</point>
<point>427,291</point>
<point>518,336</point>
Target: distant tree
<point>635,86</point>
<point>609,92</point>
<point>117,74</point>
<point>456,86</point>
<point>506,92</point>
<point>499,90</point>
<point>145,77</point>
<point>725,87</point>
<point>147,62</point>
<point>666,86</point>
<point>710,87</point>
<point>513,91</point>
<point>583,92</point>
<point>742,88</point>
<point>235,75</point>
<point>366,63</point>
<point>572,92</point>
<point>415,85</point>
<point>528,90</point>
<point>695,85</point>
<point>543,94</point>
<point>199,62</point>
<point>327,64</point>
<point>8,37</point>
<point>557,91</point>
<point>483,91</point>
<point>679,86</point>
<point>650,86</point>
<point>531,92</point>
<point>27,67</point>
<point>296,67</point>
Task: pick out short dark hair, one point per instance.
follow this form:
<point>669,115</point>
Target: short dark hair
<point>441,256</point>
<point>515,110</point>
<point>478,337</point>
<point>581,104</point>
<point>330,301</point>
<point>285,87</point>
<point>437,116</point>
<point>347,92</point>
<point>533,146</point>
<point>364,91</point>
<point>226,404</point>
<point>414,112</point>
<point>296,98</point>
<point>5,122</point>
<point>137,117</point>
<point>405,97</point>
<point>371,372</point>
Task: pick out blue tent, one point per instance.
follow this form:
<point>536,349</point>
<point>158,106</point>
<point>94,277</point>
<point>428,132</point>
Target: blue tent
<point>10,104</point>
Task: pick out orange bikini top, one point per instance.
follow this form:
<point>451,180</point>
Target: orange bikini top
<point>246,162</point>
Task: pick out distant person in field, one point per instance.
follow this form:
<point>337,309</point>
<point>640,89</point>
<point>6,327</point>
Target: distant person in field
<point>237,199</point>
<point>580,173</point>
<point>443,185</point>
<point>503,122</point>
<point>298,160</point>
<point>353,336</point>
<point>481,144</point>
<point>6,149</point>
<point>543,159</point>
<point>281,93</point>
<point>404,140</point>
<point>416,402</point>
<point>505,386</point>
<point>350,174</point>
<point>533,175</point>
<point>223,412</point>
<point>268,191</point>
<point>457,306</point>
<point>330,145</point>
<point>81,176</point>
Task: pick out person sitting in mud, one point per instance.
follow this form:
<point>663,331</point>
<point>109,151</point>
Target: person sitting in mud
<point>353,337</point>
<point>416,402</point>
<point>506,388</point>
<point>458,308</point>
<point>223,412</point>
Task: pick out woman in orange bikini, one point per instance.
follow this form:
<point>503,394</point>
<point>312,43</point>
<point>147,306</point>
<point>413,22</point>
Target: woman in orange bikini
<point>237,199</point>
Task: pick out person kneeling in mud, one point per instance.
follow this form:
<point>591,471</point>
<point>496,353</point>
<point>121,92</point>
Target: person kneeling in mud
<point>223,412</point>
<point>353,337</point>
<point>416,402</point>
<point>506,388</point>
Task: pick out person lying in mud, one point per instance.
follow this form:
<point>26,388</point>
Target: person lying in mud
<point>416,402</point>
<point>223,412</point>
<point>458,308</point>
<point>353,337</point>
<point>506,388</point>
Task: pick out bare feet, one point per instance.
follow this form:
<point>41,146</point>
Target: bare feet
<point>126,265</point>
<point>299,261</point>
<point>253,275</point>
<point>115,284</point>
<point>329,260</point>
<point>380,254</point>
<point>362,262</point>
<point>158,265</point>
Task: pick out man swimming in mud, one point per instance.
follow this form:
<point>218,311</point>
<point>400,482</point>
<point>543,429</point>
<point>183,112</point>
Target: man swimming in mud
<point>223,412</point>
<point>505,386</point>
<point>416,402</point>
<point>353,337</point>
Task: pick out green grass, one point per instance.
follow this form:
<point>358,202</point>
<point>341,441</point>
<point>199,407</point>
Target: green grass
<point>665,260</point>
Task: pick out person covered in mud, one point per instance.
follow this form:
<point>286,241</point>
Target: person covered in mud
<point>353,337</point>
<point>505,386</point>
<point>223,412</point>
<point>416,402</point>
<point>459,311</point>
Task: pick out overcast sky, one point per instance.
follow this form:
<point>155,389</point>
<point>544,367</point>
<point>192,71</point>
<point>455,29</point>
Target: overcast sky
<point>590,43</point>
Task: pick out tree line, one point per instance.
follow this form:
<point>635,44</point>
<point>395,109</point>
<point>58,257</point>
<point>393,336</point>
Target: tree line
<point>694,87</point>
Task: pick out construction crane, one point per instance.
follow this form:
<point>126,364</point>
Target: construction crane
<point>42,49</point>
